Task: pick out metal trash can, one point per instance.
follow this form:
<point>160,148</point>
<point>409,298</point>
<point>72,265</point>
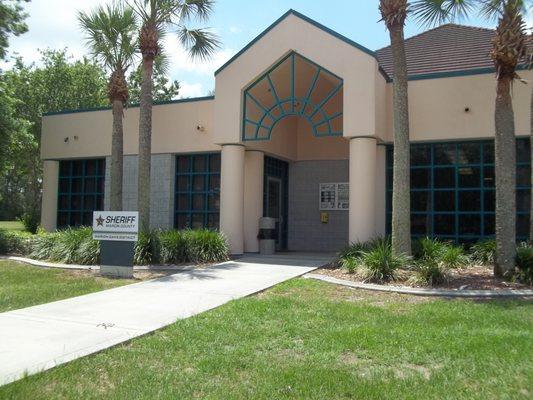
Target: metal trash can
<point>267,235</point>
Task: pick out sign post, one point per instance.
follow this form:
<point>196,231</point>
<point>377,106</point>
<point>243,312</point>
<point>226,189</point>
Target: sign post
<point>117,232</point>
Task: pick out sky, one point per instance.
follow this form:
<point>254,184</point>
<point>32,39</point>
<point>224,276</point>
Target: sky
<point>53,24</point>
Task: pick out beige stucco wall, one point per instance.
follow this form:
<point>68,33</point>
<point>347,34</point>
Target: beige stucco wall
<point>294,34</point>
<point>174,131</point>
<point>437,107</point>
<point>49,199</point>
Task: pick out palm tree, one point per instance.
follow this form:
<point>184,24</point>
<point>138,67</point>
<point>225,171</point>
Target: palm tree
<point>111,32</point>
<point>157,18</point>
<point>509,47</point>
<point>394,14</point>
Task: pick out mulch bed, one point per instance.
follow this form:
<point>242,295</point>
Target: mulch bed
<point>474,277</point>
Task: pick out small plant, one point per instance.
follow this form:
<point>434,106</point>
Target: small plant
<point>483,252</point>
<point>351,264</point>
<point>454,257</point>
<point>205,246</point>
<point>428,248</point>
<point>42,246</point>
<point>147,248</point>
<point>524,263</point>
<point>173,247</point>
<point>14,242</point>
<point>430,271</point>
<point>355,250</point>
<point>30,220</point>
<point>380,264</point>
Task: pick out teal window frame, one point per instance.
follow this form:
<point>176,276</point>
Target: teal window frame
<point>76,199</point>
<point>485,166</point>
<point>292,100</point>
<point>210,216</point>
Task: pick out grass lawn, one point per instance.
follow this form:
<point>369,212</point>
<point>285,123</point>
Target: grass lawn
<point>311,340</point>
<point>24,285</point>
<point>11,225</point>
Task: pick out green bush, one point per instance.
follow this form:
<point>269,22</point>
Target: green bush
<point>524,263</point>
<point>42,246</point>
<point>380,264</point>
<point>430,271</point>
<point>205,246</point>
<point>483,252</point>
<point>351,264</point>
<point>173,247</point>
<point>147,248</point>
<point>447,254</point>
<point>12,242</point>
<point>30,220</point>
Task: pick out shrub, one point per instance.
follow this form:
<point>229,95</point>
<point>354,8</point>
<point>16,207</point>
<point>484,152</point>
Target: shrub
<point>430,271</point>
<point>351,264</point>
<point>204,246</point>
<point>454,257</point>
<point>30,220</point>
<point>354,251</point>
<point>524,263</point>
<point>483,252</point>
<point>428,248</point>
<point>173,247</point>
<point>14,242</point>
<point>147,248</point>
<point>379,263</point>
<point>70,246</point>
<point>447,254</point>
<point>42,246</point>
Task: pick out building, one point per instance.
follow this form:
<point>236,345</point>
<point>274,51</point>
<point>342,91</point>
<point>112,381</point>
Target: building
<point>300,129</point>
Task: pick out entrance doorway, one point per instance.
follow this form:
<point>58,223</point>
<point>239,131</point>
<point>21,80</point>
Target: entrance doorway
<point>274,206</point>
<point>275,201</point>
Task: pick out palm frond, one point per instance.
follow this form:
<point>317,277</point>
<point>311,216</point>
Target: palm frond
<point>200,43</point>
<point>111,35</point>
<point>493,9</point>
<point>436,12</point>
<point>195,9</point>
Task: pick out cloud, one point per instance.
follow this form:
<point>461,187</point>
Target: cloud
<point>180,61</point>
<point>191,90</point>
<point>235,29</point>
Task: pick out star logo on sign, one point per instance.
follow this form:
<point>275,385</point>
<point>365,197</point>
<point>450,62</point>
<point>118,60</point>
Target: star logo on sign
<point>99,221</point>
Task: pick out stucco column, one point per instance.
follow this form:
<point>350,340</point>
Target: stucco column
<point>253,198</point>
<point>49,201</point>
<point>232,196</point>
<point>362,189</point>
<point>381,190</point>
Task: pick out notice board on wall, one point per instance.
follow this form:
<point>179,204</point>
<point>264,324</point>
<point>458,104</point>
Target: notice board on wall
<point>334,196</point>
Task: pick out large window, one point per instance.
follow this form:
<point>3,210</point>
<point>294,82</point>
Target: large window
<point>453,192</point>
<point>197,201</point>
<point>81,191</point>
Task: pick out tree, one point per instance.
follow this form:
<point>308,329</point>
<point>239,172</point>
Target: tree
<point>111,32</point>
<point>158,17</point>
<point>509,47</point>
<point>163,88</point>
<point>394,14</point>
<point>12,19</point>
<point>61,83</point>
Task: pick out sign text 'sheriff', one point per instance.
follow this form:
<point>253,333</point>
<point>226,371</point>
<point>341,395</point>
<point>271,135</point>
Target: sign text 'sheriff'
<point>115,225</point>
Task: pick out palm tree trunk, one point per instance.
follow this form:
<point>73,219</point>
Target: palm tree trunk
<point>531,170</point>
<point>505,158</point>
<point>145,144</point>
<point>117,158</point>
<point>401,200</point>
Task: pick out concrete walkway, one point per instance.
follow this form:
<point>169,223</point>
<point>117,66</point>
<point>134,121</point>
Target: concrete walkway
<point>37,338</point>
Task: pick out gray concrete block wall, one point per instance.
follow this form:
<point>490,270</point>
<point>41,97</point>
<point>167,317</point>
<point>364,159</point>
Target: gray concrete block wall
<point>306,232</point>
<point>162,188</point>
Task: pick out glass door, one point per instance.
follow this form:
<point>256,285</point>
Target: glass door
<point>274,206</point>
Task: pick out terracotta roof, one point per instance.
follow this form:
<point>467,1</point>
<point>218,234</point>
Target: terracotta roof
<point>447,48</point>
